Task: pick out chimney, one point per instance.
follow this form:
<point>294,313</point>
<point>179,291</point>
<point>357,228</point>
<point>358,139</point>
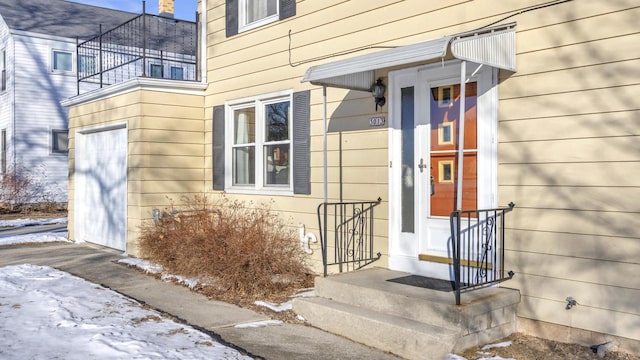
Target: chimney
<point>165,8</point>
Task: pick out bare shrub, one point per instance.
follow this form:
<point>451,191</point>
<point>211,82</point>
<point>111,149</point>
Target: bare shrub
<point>18,187</point>
<point>24,189</point>
<point>245,248</point>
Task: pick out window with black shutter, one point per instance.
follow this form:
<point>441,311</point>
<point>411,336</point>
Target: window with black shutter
<point>243,15</point>
<point>262,145</point>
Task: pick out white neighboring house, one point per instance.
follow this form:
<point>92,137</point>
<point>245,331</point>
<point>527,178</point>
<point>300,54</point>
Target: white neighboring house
<point>38,65</point>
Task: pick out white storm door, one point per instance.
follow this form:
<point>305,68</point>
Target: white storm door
<point>422,145</point>
<point>101,187</point>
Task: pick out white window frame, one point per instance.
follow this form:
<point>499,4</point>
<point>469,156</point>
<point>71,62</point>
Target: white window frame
<point>258,103</point>
<point>243,25</point>
<point>53,55</point>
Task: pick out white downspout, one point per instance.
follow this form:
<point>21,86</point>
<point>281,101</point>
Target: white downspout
<point>463,80</point>
<point>324,142</point>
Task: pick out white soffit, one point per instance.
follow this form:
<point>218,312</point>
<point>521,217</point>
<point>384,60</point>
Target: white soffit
<point>357,73</point>
<point>495,46</point>
<point>497,49</point>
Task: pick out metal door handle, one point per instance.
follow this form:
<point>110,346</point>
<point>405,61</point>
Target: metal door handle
<point>433,187</point>
<point>422,165</point>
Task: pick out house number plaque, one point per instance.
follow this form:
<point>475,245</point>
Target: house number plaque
<point>377,121</point>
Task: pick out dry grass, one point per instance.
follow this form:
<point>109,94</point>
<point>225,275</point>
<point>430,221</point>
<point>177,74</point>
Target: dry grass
<point>526,347</point>
<point>243,250</point>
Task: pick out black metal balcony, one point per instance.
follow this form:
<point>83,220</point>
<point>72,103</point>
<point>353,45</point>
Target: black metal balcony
<point>145,46</point>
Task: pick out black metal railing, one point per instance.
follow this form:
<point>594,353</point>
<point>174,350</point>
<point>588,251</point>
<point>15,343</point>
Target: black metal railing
<point>478,248</point>
<point>351,226</point>
<point>145,46</point>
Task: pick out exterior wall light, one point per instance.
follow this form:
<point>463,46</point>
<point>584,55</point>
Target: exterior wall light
<point>377,90</point>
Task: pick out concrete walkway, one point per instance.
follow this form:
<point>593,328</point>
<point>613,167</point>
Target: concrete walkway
<point>97,264</point>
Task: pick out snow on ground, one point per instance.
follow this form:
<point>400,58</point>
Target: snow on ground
<point>18,223</point>
<point>481,353</point>
<point>152,268</point>
<point>76,319</point>
<point>33,238</point>
<point>458,357</point>
<point>258,324</point>
<point>497,345</point>
<point>49,314</point>
<point>41,237</point>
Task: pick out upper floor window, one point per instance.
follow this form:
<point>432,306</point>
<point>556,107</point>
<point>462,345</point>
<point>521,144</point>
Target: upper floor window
<point>3,68</point>
<point>243,15</point>
<point>156,71</point>
<point>87,65</point>
<point>59,141</point>
<point>3,151</point>
<point>257,12</point>
<point>177,73</point>
<point>62,61</point>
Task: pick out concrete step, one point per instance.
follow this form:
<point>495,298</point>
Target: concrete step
<point>405,337</point>
<point>370,289</point>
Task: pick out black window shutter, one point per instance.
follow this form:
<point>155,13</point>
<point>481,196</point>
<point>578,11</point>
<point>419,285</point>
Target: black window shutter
<point>287,8</point>
<point>231,14</point>
<point>218,148</point>
<point>301,143</point>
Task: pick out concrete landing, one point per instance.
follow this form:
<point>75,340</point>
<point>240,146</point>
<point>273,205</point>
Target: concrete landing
<point>406,320</point>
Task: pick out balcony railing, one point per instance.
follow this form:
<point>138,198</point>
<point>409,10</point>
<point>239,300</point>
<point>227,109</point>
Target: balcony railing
<point>347,227</point>
<point>145,46</point>
<point>478,248</point>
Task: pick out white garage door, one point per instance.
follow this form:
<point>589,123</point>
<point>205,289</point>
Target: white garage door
<point>101,186</point>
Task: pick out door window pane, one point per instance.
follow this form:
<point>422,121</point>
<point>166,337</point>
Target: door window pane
<point>445,123</point>
<point>408,160</point>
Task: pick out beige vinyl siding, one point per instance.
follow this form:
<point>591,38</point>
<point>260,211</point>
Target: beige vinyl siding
<point>568,133</point>
<point>569,158</point>
<point>165,149</point>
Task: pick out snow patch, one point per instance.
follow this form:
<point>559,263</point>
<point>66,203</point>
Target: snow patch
<point>276,307</point>
<point>258,324</point>
<point>18,223</point>
<point>144,265</point>
<point>76,319</point>
<point>42,237</point>
<point>454,357</point>
<point>497,345</point>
